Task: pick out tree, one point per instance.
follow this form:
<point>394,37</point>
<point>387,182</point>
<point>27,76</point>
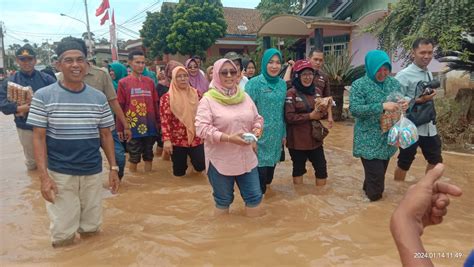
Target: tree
<point>270,8</point>
<point>121,44</point>
<point>197,24</point>
<point>444,21</point>
<point>102,41</point>
<point>85,36</point>
<point>155,30</point>
<point>44,53</point>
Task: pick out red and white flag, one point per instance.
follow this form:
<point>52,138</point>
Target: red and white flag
<point>113,39</point>
<point>104,18</point>
<point>102,8</point>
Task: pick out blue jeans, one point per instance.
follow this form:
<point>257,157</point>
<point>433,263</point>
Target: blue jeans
<point>119,153</point>
<point>223,187</point>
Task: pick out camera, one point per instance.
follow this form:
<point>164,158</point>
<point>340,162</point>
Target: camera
<point>427,88</point>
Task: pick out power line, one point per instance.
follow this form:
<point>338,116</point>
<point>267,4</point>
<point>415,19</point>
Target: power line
<point>129,35</point>
<point>144,10</point>
<point>45,34</point>
<point>13,37</point>
<point>135,20</point>
<point>127,29</point>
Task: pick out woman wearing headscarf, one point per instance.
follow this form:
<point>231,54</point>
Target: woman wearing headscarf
<point>150,74</point>
<point>162,88</point>
<point>250,69</point>
<point>117,71</point>
<point>164,84</point>
<point>299,112</point>
<point>268,92</point>
<point>178,111</point>
<point>209,73</point>
<point>367,104</point>
<point>196,77</point>
<point>224,114</point>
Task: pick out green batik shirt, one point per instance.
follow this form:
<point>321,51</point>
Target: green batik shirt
<point>270,102</point>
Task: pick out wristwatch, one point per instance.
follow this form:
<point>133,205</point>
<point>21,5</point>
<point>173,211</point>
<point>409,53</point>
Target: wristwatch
<point>114,168</point>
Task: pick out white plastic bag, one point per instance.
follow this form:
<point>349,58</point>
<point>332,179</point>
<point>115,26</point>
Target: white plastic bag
<point>403,134</point>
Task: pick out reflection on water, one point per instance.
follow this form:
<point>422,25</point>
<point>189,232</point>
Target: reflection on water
<point>160,220</point>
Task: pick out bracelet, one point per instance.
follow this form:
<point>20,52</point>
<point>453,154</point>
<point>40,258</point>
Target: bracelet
<point>228,138</point>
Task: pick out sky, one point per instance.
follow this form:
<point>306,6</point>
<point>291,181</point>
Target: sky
<point>40,21</point>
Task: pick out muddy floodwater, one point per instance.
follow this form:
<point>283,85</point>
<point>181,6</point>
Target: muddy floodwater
<point>160,220</point>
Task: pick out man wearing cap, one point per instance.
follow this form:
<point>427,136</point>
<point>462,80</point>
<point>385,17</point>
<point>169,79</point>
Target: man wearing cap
<point>27,76</point>
<point>71,121</point>
<point>99,79</point>
<point>237,59</point>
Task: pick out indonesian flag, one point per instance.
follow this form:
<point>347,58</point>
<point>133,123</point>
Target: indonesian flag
<point>102,8</point>
<point>104,18</point>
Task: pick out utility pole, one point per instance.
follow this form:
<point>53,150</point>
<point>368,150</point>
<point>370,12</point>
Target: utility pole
<point>91,52</point>
<point>2,49</point>
<point>48,50</point>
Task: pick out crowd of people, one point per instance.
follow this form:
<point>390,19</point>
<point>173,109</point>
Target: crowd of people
<point>228,120</point>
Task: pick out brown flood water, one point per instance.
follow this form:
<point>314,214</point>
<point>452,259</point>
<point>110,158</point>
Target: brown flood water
<point>160,220</point>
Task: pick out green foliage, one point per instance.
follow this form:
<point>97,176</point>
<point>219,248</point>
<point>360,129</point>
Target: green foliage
<point>441,20</point>
<point>339,69</point>
<point>155,30</point>
<point>197,24</point>
<point>271,8</point>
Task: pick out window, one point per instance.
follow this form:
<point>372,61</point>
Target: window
<point>336,48</point>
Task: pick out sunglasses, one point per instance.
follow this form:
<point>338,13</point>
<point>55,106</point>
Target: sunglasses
<point>192,67</point>
<point>227,72</point>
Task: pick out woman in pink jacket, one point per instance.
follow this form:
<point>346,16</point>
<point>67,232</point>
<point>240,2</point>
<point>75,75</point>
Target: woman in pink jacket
<point>224,114</point>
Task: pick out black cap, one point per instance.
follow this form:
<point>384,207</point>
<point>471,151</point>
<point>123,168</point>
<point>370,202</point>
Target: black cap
<point>71,43</point>
<point>25,51</point>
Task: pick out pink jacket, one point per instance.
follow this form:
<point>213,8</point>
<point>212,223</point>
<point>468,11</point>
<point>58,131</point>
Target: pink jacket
<point>213,119</point>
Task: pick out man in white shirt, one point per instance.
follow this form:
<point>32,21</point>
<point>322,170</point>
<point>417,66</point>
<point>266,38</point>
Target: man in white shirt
<point>429,140</point>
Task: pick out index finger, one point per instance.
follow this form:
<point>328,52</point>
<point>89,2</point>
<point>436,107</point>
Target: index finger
<point>446,188</point>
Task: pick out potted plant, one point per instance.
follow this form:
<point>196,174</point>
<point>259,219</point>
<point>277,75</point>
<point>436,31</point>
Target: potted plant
<point>341,73</point>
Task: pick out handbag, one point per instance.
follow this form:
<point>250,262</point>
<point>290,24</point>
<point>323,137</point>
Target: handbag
<point>318,131</point>
<point>423,113</point>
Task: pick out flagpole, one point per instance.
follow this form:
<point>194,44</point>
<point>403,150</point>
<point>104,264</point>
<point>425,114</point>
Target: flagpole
<point>113,36</point>
<point>91,52</point>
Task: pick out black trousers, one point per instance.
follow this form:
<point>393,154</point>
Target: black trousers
<point>374,182</point>
<point>265,174</point>
<point>141,148</point>
<point>317,158</point>
<point>430,147</point>
<point>180,159</point>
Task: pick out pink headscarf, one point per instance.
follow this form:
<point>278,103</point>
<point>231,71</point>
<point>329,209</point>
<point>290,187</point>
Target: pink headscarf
<point>216,79</point>
<point>198,81</point>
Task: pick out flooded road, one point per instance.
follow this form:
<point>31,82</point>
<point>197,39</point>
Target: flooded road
<point>160,220</point>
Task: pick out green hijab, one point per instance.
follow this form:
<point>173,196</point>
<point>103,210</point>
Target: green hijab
<point>120,72</point>
<point>150,74</point>
<point>267,56</point>
<point>374,60</point>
